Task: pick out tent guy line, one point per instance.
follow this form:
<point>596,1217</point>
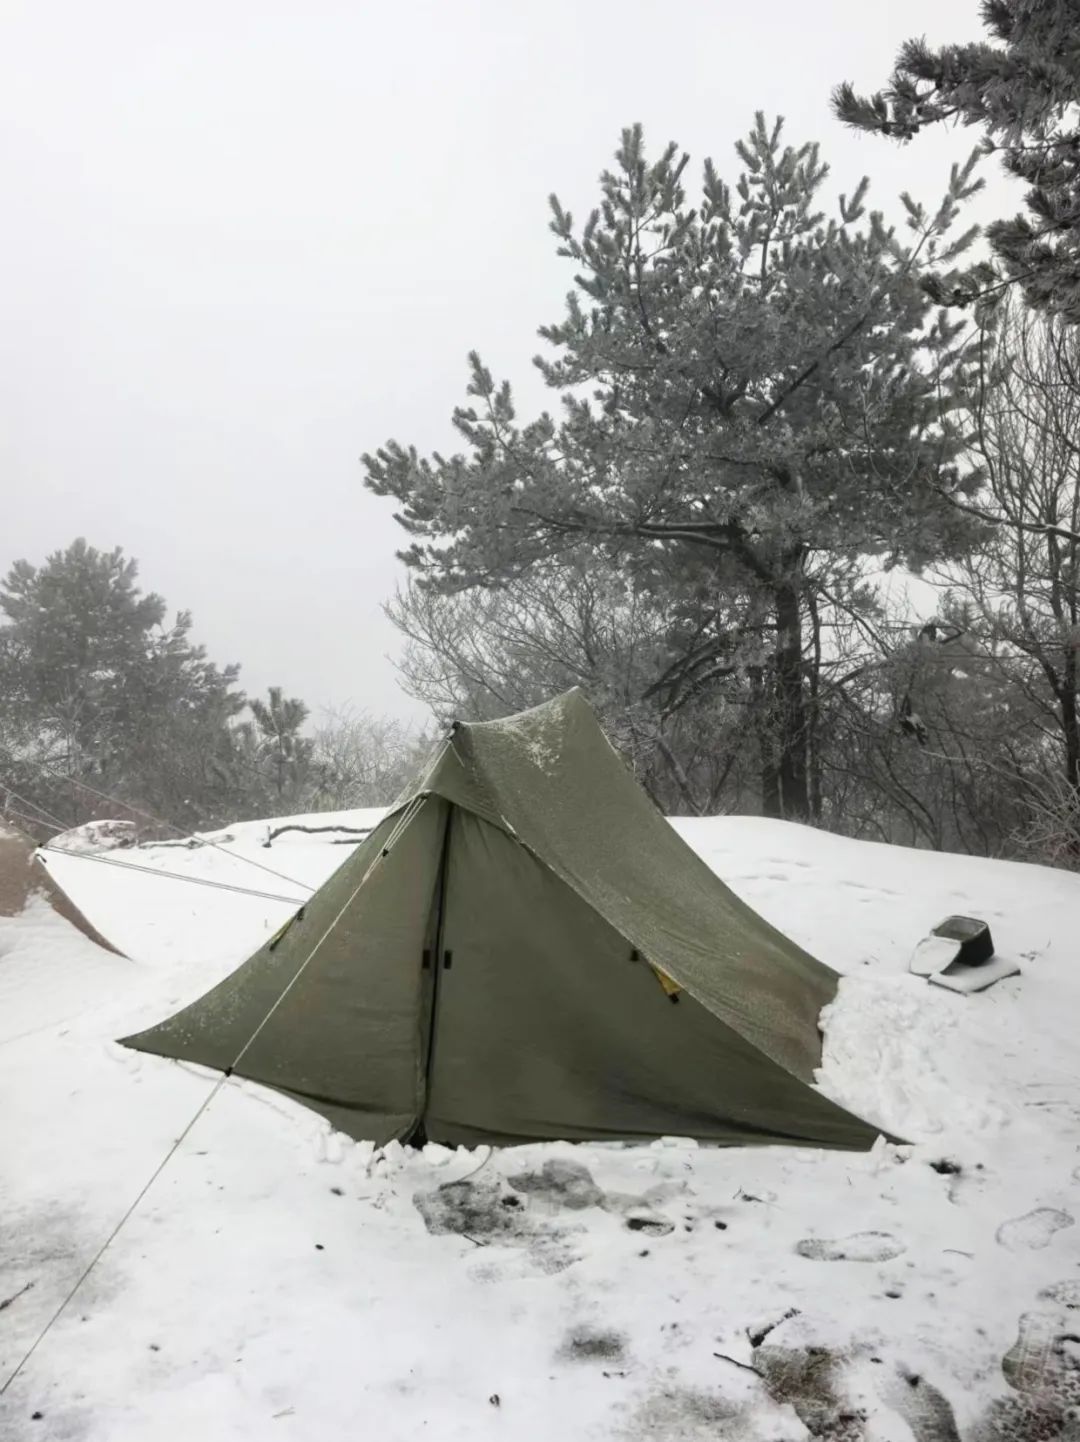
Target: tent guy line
<point>107,1243</point>
<point>29,822</point>
<point>407,815</point>
<point>43,817</point>
<point>171,875</point>
<point>404,819</point>
<point>157,820</point>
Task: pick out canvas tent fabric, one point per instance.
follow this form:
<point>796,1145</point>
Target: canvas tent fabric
<point>23,875</point>
<point>523,950</point>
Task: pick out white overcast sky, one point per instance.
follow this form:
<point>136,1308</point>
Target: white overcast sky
<point>244,241</point>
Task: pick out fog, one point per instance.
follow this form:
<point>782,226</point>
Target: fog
<point>243,243</point>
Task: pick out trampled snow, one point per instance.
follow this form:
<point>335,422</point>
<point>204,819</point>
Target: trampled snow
<point>280,1281</point>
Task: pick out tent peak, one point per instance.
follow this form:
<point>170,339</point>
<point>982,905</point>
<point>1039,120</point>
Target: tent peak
<point>545,711</point>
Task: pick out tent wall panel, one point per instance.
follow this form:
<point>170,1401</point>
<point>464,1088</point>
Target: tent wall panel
<point>349,1037</point>
<point>546,1026</point>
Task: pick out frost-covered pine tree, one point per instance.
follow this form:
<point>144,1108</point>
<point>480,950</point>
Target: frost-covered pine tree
<point>100,687</point>
<point>1022,88</point>
<point>754,398</point>
<point>283,752</point>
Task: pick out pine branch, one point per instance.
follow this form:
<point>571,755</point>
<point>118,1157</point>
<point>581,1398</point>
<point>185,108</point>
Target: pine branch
<point>1034,528</point>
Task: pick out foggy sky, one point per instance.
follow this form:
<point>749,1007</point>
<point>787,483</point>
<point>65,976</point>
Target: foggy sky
<point>243,242</point>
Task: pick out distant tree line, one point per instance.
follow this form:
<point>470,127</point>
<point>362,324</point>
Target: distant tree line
<point>769,416</point>
<point>109,708</point>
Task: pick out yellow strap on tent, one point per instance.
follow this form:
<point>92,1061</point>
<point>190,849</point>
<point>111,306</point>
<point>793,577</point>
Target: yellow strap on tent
<point>671,988</point>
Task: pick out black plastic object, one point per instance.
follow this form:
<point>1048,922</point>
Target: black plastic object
<point>976,943</point>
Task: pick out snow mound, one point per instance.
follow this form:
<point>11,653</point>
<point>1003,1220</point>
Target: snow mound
<point>96,836</point>
<point>901,1056</point>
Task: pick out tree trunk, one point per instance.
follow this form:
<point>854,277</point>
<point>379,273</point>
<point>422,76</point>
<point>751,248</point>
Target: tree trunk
<point>813,740</point>
<point>1070,725</point>
<point>771,802</point>
<point>763,712</point>
<point>792,712</point>
<point>682,781</point>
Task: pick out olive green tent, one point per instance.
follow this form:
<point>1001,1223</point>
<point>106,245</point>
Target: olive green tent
<point>525,949</point>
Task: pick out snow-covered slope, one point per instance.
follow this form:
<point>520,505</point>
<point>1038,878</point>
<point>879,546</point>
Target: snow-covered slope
<point>278,1281</point>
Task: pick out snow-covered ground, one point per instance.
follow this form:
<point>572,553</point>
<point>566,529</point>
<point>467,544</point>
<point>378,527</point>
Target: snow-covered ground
<point>279,1281</point>
<point>166,920</point>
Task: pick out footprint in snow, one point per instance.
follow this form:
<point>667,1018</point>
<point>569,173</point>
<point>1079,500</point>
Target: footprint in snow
<point>859,1247</point>
<point>1026,1361</point>
<point>1041,1361</point>
<point>1033,1230</point>
<point>927,1412</point>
